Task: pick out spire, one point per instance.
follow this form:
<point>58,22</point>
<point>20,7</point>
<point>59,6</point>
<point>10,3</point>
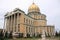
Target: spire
<point>33,1</point>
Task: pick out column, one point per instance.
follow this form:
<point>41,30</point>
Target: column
<point>14,23</point>
<point>31,31</point>
<point>35,31</point>
<point>17,22</point>
<point>9,24</point>
<point>6,23</point>
<point>25,34</point>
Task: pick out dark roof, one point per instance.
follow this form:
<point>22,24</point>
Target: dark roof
<point>17,9</point>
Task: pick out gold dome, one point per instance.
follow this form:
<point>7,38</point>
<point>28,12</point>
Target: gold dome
<point>33,7</point>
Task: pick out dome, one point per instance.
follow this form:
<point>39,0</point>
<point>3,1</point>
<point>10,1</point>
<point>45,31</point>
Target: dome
<point>33,7</point>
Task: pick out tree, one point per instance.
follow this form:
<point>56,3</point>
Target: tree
<point>6,34</point>
<point>59,33</point>
<point>1,35</point>
<point>10,35</point>
<point>56,34</point>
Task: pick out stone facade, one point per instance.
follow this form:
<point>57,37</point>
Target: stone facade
<point>32,23</point>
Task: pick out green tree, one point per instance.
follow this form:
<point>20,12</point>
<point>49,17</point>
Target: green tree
<point>1,35</point>
<point>10,35</point>
<point>6,34</point>
<point>56,34</point>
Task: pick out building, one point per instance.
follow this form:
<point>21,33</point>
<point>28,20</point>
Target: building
<point>32,23</point>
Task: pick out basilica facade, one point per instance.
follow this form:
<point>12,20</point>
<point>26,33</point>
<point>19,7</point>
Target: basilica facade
<point>32,23</point>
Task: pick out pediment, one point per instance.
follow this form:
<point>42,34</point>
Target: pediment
<point>16,9</point>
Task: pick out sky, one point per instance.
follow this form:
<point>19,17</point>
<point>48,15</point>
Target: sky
<point>51,8</point>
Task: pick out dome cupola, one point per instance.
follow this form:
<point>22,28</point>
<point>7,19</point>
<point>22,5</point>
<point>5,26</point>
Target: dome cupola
<point>33,8</point>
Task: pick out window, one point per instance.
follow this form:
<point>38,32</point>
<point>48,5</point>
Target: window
<point>19,14</point>
<point>29,29</point>
<point>26,29</point>
<point>18,27</point>
<point>24,20</point>
<point>29,21</point>
<point>12,28</point>
<point>15,28</point>
<point>9,28</point>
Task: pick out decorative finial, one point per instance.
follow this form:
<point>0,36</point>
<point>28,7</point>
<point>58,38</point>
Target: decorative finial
<point>33,1</point>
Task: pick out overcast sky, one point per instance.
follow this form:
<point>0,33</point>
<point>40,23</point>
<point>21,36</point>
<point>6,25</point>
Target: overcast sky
<point>51,8</point>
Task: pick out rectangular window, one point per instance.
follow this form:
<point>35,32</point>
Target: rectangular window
<point>29,21</point>
<point>26,29</point>
<point>29,29</point>
<point>15,28</point>
<point>18,27</point>
<point>24,20</point>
